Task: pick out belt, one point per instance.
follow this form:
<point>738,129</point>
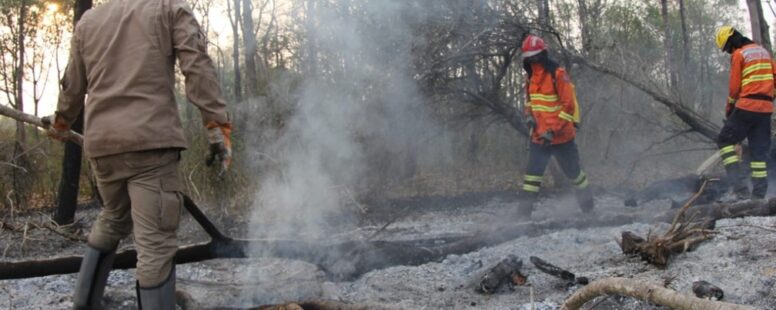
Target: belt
<point>759,97</point>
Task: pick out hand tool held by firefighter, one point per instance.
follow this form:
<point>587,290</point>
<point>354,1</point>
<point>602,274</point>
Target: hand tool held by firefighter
<point>530,122</point>
<point>546,138</point>
<point>220,149</point>
<point>69,135</point>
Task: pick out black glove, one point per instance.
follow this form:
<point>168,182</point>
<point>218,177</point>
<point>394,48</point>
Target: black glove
<point>546,138</point>
<point>730,107</point>
<point>729,110</point>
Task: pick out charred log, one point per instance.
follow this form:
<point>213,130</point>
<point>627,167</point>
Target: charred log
<point>363,257</point>
<point>506,272</point>
<point>713,212</point>
<point>679,190</point>
<point>370,255</point>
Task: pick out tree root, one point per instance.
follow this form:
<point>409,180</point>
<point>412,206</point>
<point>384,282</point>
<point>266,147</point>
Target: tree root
<point>647,292</point>
<point>683,235</point>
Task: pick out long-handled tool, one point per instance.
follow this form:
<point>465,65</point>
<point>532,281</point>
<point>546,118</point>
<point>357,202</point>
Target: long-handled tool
<point>219,243</point>
<point>38,122</point>
<point>76,138</point>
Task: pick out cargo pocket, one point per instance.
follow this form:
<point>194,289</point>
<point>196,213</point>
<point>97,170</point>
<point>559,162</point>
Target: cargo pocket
<point>172,203</point>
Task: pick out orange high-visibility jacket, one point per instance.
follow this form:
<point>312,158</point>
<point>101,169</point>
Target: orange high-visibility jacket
<point>752,73</point>
<point>552,106</point>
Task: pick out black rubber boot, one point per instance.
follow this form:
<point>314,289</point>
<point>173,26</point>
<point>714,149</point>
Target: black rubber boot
<point>585,199</point>
<point>92,278</point>
<point>737,177</point>
<point>526,205</point>
<point>759,188</point>
<point>160,297</point>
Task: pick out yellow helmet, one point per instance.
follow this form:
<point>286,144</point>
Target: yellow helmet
<point>723,34</point>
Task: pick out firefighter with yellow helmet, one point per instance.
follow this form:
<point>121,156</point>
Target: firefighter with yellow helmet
<point>748,110</point>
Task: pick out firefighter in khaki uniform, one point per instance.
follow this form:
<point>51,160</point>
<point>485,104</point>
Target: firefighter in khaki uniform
<point>122,56</point>
<point>550,113</point>
<point>748,110</point>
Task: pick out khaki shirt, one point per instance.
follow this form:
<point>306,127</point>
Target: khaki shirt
<point>122,59</point>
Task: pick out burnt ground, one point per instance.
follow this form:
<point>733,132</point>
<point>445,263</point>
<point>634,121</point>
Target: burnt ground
<point>741,260</point>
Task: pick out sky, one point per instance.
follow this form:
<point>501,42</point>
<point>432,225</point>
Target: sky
<point>219,25</point>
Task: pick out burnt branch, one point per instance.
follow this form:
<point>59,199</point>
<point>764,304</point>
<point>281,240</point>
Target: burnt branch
<point>556,271</point>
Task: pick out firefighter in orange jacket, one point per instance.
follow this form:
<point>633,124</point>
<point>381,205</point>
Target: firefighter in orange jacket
<point>549,113</point>
<point>748,110</point>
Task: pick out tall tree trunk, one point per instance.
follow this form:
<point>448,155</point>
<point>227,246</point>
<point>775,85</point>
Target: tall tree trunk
<point>71,161</point>
<point>544,12</point>
<point>249,40</point>
<point>235,20</point>
<point>760,33</point>
<point>253,69</point>
<point>584,25</point>
<point>685,36</point>
<point>685,64</point>
<point>18,176</point>
<point>20,135</point>
<point>311,63</point>
<point>667,41</point>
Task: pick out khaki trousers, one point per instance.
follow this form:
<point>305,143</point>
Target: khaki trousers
<point>141,194</point>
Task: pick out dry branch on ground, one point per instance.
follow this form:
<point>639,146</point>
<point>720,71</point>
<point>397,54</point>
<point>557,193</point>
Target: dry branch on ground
<point>684,234</point>
<point>648,292</point>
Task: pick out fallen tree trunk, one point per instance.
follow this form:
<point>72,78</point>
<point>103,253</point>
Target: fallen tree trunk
<point>648,292</point>
<point>344,260</point>
<point>351,259</point>
<point>715,212</point>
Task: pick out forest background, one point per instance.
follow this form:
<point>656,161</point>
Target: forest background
<point>371,100</point>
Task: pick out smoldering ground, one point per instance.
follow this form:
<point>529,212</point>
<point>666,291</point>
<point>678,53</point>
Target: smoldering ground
<point>358,122</point>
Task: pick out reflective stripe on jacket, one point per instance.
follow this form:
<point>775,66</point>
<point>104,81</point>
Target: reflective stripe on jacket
<point>752,79</point>
<point>552,106</point>
<point>122,56</point>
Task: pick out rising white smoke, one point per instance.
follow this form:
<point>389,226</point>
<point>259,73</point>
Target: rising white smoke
<point>359,110</point>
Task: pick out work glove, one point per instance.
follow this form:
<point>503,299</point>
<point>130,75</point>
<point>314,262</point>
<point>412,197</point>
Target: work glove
<point>731,105</point>
<point>56,128</point>
<point>219,136</point>
<point>546,138</point>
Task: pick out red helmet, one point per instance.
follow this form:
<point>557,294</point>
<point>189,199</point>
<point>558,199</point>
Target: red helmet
<point>532,45</point>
